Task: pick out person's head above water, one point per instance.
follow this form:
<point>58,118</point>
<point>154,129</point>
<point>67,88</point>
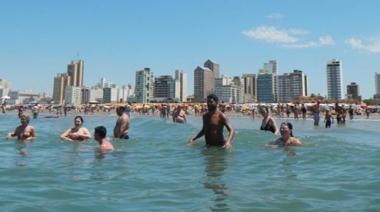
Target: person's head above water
<point>264,111</point>
<point>24,119</point>
<point>78,121</point>
<point>120,110</point>
<point>212,102</point>
<point>100,133</point>
<point>286,129</point>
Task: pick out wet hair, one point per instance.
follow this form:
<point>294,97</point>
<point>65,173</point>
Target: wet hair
<point>290,126</point>
<point>79,117</point>
<point>27,119</point>
<point>264,109</point>
<point>101,131</point>
<point>214,97</point>
<point>122,108</point>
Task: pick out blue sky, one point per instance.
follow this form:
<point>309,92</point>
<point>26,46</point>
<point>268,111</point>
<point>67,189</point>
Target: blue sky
<point>115,38</point>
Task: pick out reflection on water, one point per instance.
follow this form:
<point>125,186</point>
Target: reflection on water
<point>290,151</point>
<point>21,147</point>
<point>157,171</point>
<point>288,163</point>
<point>215,161</point>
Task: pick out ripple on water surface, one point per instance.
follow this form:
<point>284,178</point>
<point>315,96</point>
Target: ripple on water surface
<point>335,169</point>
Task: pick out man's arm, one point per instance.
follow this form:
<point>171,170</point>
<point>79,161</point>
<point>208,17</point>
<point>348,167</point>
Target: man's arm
<point>10,135</point>
<point>231,132</point>
<point>200,133</point>
<point>13,134</point>
<point>116,129</point>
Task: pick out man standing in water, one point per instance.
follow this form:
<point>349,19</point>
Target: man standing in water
<point>213,123</point>
<point>122,124</point>
<point>316,111</point>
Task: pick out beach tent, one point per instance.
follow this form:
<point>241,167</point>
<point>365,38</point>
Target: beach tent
<point>5,97</point>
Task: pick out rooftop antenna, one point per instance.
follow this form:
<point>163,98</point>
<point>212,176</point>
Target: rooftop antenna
<point>78,55</point>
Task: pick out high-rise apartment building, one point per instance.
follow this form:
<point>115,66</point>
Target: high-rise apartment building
<point>214,67</point>
<point>204,83</point>
<point>61,81</point>
<point>164,87</point>
<point>353,92</point>
<point>334,79</point>
<point>73,77</point>
<point>75,71</point>
<point>4,88</point>
<point>110,95</point>
<point>73,95</point>
<point>144,88</point>
<point>265,87</point>
<point>204,80</point>
<point>227,90</point>
<point>181,77</point>
<point>377,83</point>
<point>291,85</point>
<point>249,89</point>
<point>272,67</point>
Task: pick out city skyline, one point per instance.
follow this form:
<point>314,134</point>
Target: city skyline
<point>115,40</point>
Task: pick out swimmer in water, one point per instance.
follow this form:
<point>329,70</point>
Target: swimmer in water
<point>179,115</point>
<point>268,123</point>
<point>78,132</point>
<point>24,132</point>
<point>286,139</point>
<point>100,136</point>
<point>122,124</point>
<point>213,123</point>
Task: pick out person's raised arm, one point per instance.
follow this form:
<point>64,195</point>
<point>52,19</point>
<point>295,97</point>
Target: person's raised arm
<point>276,131</point>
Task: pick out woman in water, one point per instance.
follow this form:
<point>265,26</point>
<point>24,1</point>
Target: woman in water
<point>286,139</point>
<point>268,124</point>
<point>78,132</point>
<point>179,115</point>
<point>24,132</point>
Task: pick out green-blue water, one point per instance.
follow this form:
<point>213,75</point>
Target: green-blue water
<point>337,169</point>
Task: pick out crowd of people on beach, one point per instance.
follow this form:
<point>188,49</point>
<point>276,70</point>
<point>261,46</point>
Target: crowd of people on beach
<point>214,120</point>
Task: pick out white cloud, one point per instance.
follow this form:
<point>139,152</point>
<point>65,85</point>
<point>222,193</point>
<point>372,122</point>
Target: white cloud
<point>275,16</point>
<point>310,44</point>
<point>288,38</point>
<point>370,45</point>
<point>326,40</point>
<point>271,34</point>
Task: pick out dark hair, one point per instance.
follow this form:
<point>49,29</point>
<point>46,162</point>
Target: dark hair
<point>27,119</point>
<point>122,108</point>
<point>101,131</point>
<point>214,97</point>
<point>79,117</point>
<point>290,126</point>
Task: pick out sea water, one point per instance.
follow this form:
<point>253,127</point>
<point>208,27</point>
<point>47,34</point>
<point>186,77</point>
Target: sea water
<point>336,169</point>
